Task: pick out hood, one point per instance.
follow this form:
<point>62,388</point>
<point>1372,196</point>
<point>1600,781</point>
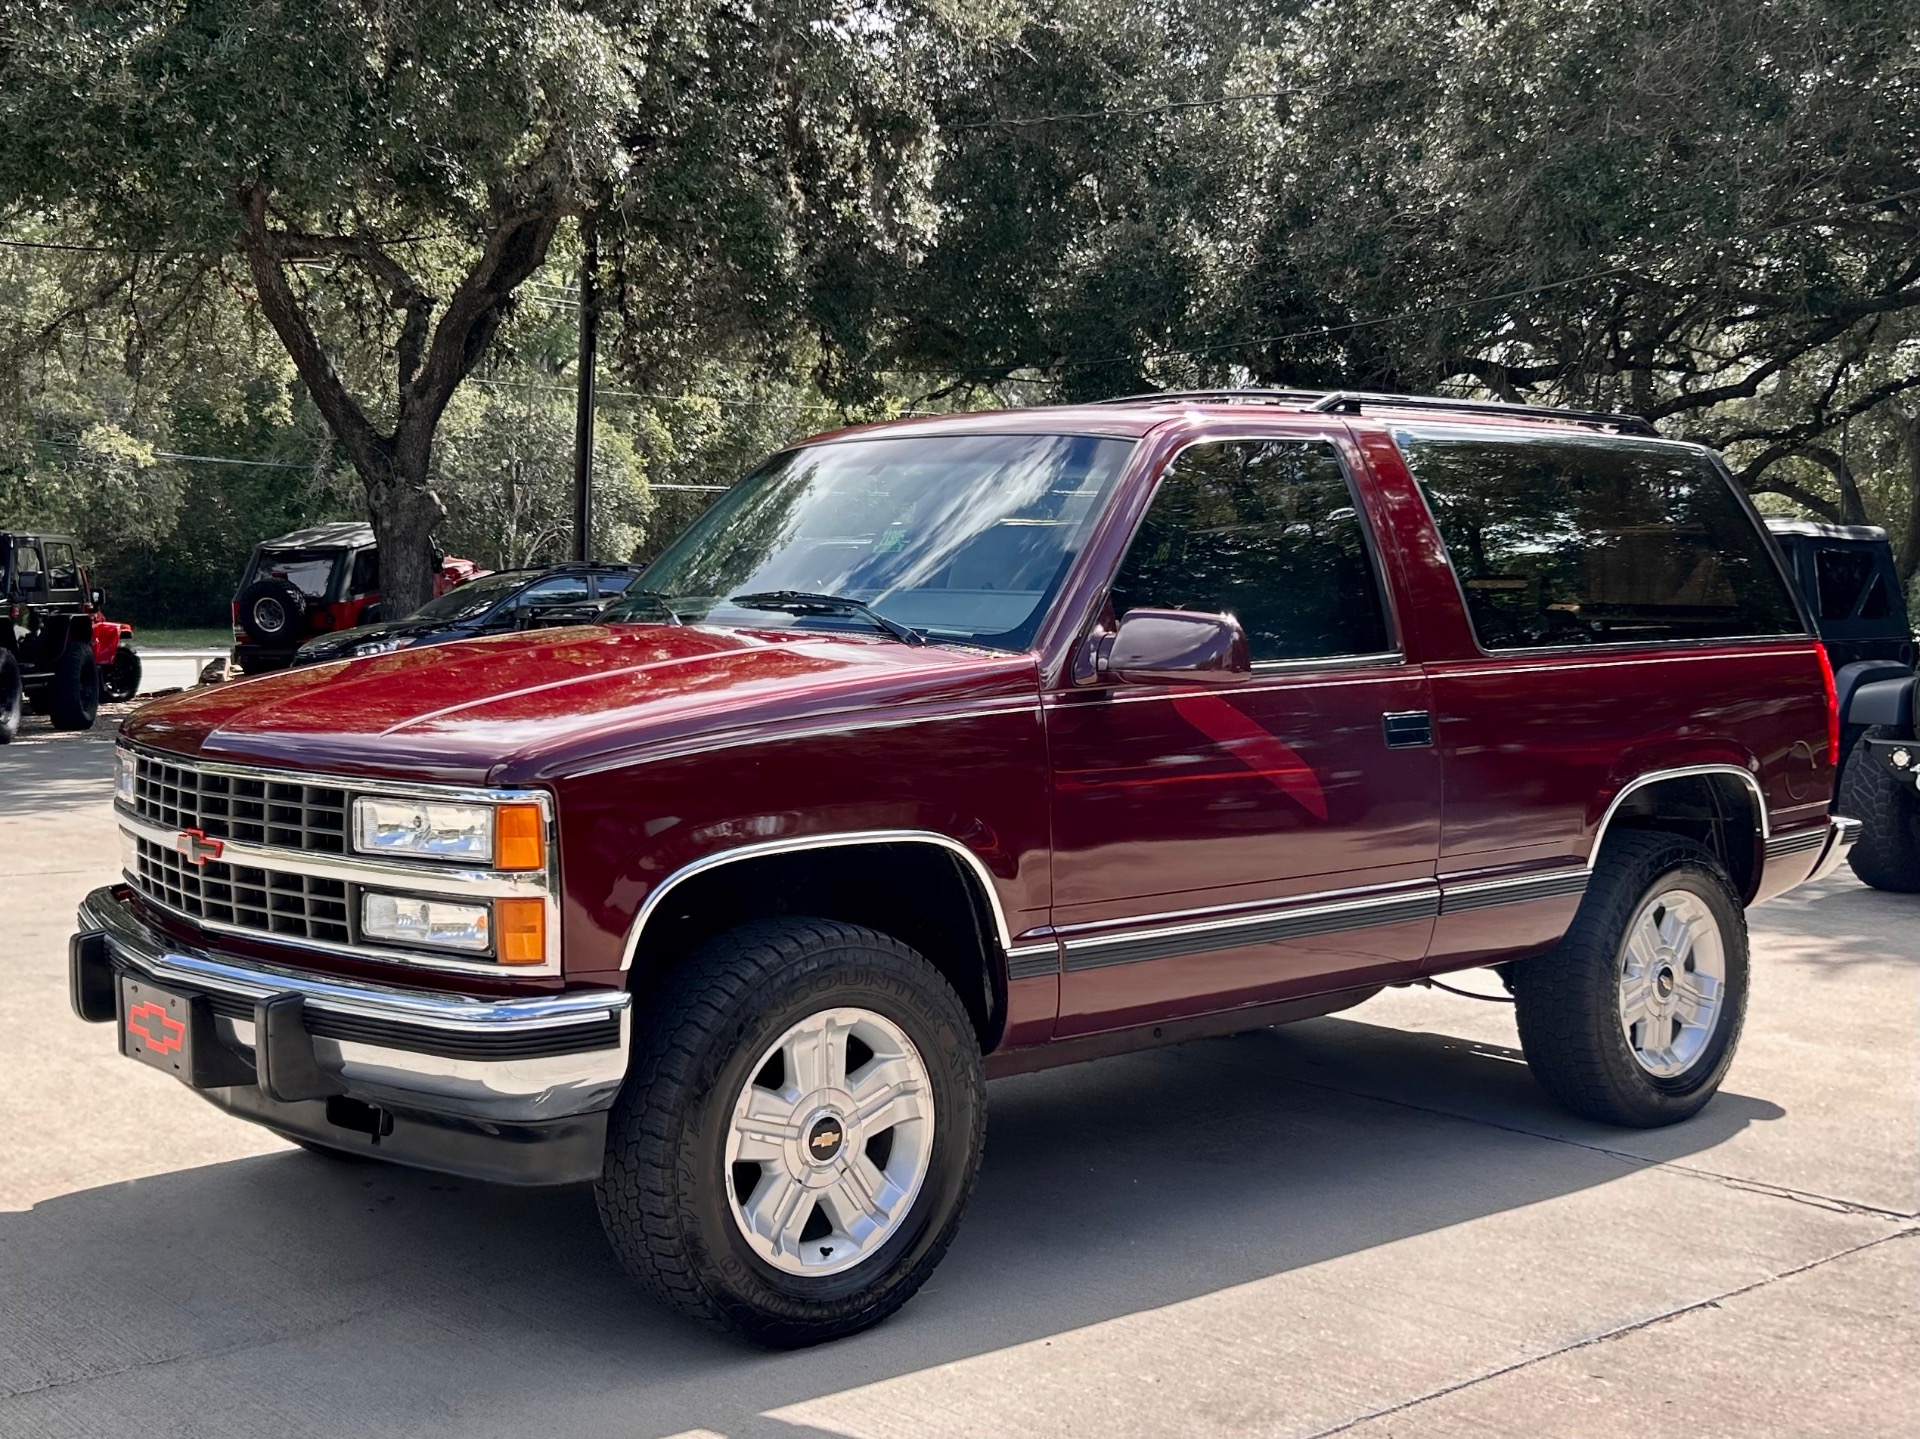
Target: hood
<point>517,708</point>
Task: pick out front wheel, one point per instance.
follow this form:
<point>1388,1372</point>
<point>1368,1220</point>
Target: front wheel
<point>1634,1017</point>
<point>799,1133</point>
<point>73,697</point>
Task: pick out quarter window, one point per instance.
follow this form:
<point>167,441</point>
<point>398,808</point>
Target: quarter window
<point>1576,541</point>
<point>1267,531</point>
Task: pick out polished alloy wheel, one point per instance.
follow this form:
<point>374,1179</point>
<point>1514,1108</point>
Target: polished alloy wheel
<point>829,1142</point>
<point>1673,975</point>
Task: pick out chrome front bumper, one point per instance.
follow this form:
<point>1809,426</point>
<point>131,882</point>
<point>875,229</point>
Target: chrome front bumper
<point>1841,834</point>
<point>490,1060</point>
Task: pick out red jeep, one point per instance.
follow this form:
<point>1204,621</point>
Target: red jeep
<point>954,748</point>
<point>313,582</point>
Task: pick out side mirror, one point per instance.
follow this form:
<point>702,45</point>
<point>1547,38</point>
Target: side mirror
<point>1176,647</point>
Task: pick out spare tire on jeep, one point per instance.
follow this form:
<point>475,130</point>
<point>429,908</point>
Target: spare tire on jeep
<point>73,696</point>
<point>271,610</point>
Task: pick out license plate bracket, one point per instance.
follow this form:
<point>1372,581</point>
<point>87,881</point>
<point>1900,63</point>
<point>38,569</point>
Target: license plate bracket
<point>157,1028</point>
<point>176,1034</point>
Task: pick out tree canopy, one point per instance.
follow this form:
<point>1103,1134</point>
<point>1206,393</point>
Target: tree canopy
<point>343,235</point>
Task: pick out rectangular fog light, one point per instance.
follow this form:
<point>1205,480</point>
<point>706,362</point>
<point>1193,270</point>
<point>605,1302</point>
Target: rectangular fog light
<point>426,923</point>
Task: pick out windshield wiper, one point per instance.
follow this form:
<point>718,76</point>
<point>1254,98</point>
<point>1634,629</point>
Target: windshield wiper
<point>659,597</point>
<point>804,602</point>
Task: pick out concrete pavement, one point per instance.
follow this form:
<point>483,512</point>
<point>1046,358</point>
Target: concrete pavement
<point>1371,1224</point>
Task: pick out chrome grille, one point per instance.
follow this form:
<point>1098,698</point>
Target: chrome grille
<point>270,902</point>
<point>248,808</point>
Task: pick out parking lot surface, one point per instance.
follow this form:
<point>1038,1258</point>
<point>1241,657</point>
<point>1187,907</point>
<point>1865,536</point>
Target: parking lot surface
<point>1371,1224</point>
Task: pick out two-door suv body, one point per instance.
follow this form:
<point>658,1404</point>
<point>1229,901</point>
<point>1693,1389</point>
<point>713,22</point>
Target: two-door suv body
<point>960,747</point>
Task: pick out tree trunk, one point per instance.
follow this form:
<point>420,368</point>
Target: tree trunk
<point>404,510</point>
<point>1908,557</point>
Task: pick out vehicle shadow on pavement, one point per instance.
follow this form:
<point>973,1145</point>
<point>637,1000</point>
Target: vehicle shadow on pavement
<point>63,772</point>
<point>1851,923</point>
<point>291,1294</point>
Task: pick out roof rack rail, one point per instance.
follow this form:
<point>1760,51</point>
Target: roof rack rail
<point>1328,402</point>
<point>1226,394</point>
<point>1351,401</point>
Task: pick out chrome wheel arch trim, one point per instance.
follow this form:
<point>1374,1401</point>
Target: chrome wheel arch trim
<point>1692,771</point>
<point>796,844</point>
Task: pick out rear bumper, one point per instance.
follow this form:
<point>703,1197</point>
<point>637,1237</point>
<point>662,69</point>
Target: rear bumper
<point>1841,834</point>
<point>509,1089</point>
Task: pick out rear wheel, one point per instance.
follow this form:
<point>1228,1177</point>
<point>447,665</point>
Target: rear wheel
<point>12,697</point>
<point>799,1133</point>
<point>121,678</point>
<point>1887,853</point>
<point>1634,1017</point>
<point>73,695</point>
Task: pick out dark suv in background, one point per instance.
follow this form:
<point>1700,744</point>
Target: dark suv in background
<point>1848,576</point>
<point>494,604</point>
<point>46,634</point>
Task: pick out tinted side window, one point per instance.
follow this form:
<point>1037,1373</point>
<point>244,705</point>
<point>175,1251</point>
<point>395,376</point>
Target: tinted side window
<point>1267,531</point>
<point>613,585</point>
<point>560,590</point>
<point>366,573</point>
<point>1566,540</point>
<point>1850,585</point>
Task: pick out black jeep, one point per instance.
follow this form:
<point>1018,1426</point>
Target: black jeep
<point>46,634</point>
<point>1848,576</point>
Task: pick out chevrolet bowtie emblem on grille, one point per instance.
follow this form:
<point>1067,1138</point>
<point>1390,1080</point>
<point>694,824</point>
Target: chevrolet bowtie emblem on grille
<point>194,845</point>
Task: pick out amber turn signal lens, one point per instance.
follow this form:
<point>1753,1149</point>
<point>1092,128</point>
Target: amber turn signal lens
<point>519,837</point>
<point>520,931</point>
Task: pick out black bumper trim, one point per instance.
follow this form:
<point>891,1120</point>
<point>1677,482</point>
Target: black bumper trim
<point>556,1151</point>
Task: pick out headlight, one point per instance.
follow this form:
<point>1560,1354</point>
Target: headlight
<point>373,647</point>
<point>515,929</point>
<point>505,836</point>
<point>428,923</point>
<point>124,771</point>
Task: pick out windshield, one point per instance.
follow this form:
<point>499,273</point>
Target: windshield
<point>963,538</point>
<point>475,597</point>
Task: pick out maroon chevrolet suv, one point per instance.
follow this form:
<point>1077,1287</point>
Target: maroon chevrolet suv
<point>960,747</point>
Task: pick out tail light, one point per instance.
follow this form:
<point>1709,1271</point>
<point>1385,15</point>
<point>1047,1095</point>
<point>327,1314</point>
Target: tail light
<point>1833,706</point>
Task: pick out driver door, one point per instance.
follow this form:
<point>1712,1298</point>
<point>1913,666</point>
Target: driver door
<point>1224,846</point>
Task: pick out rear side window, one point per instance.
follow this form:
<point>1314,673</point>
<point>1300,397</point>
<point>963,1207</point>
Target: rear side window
<point>1266,531</point>
<point>1851,585</point>
<point>1571,541</point>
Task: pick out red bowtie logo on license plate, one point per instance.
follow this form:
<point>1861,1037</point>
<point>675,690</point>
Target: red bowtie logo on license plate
<point>151,1023</point>
<point>195,847</point>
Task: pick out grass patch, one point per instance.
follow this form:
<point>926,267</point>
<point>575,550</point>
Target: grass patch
<point>146,639</point>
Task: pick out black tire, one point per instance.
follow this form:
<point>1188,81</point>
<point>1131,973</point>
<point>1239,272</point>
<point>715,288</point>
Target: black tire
<point>1567,1002</point>
<point>274,613</point>
<point>1887,853</point>
<point>666,1198</point>
<point>12,697</point>
<point>73,695</point>
<point>121,679</point>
